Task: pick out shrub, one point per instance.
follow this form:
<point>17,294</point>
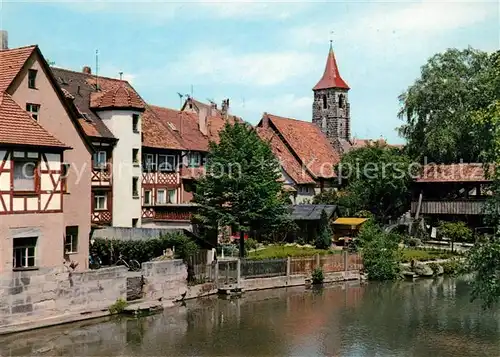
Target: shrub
<point>414,242</point>
<point>455,231</point>
<point>317,276</point>
<point>451,267</point>
<point>251,244</point>
<point>118,307</point>
<point>324,238</point>
<point>381,256</point>
<point>143,250</point>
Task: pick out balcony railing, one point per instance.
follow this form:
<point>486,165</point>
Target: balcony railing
<point>469,207</point>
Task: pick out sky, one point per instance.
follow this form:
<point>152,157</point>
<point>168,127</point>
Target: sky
<point>264,55</point>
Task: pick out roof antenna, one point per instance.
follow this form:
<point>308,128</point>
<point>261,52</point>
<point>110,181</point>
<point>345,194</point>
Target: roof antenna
<point>181,96</point>
<point>331,39</point>
<point>96,69</point>
<point>121,75</point>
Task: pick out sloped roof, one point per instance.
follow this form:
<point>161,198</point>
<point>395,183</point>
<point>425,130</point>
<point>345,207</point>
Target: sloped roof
<point>311,212</point>
<point>81,86</point>
<point>156,133</point>
<point>17,127</point>
<point>288,162</point>
<point>119,97</point>
<point>473,172</point>
<point>331,77</point>
<point>11,62</point>
<point>308,143</point>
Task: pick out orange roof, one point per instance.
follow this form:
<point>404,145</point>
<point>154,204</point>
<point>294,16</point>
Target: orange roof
<point>307,143</point>
<point>361,143</point>
<point>331,77</point>
<point>17,127</point>
<point>120,96</point>
<point>453,173</point>
<point>11,62</point>
<point>156,133</point>
<point>288,162</point>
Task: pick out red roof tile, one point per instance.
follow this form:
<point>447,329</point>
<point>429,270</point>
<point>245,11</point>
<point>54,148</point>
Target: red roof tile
<point>118,97</point>
<point>308,143</point>
<point>156,133</point>
<point>453,173</point>
<point>331,77</point>
<point>17,127</point>
<point>11,62</point>
<point>288,162</point>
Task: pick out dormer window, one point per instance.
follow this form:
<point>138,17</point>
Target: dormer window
<point>33,109</point>
<point>135,123</point>
<point>32,78</point>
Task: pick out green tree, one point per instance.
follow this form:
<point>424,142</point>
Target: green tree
<point>442,102</point>
<point>242,187</point>
<point>324,237</point>
<point>381,255</point>
<point>455,232</point>
<point>376,179</point>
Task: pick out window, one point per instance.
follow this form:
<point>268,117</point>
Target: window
<point>100,159</point>
<point>172,197</point>
<point>24,175</point>
<point>135,187</point>
<point>64,176</point>
<point>100,202</point>
<point>135,123</point>
<point>150,162</point>
<point>166,162</point>
<point>161,197</point>
<point>325,104</point>
<point>32,78</point>
<point>71,240</point>
<point>33,109</point>
<point>135,221</point>
<point>147,197</point>
<point>135,156</point>
<point>194,159</point>
<point>24,252</point>
<point>341,101</point>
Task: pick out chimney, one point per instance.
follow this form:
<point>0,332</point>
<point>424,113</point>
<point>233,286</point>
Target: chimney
<point>202,120</point>
<point>265,120</point>
<point>225,108</point>
<point>87,70</point>
<point>4,40</point>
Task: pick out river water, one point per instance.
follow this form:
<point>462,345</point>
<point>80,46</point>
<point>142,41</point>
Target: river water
<point>426,318</point>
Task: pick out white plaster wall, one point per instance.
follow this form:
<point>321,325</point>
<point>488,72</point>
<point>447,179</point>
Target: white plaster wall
<point>125,207</point>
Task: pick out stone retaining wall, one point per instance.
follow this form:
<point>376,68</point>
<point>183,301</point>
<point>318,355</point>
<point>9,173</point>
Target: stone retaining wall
<point>165,280</point>
<point>53,292</point>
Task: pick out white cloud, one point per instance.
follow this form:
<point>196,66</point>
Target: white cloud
<point>390,22</point>
<point>225,66</point>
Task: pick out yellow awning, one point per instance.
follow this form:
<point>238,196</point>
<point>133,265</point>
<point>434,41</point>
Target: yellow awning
<point>350,221</point>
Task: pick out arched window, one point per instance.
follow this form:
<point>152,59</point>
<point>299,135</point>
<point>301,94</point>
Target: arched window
<point>341,101</point>
<point>325,104</point>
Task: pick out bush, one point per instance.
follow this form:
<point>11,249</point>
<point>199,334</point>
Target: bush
<point>251,244</point>
<point>143,250</point>
<point>317,276</point>
<point>381,255</point>
<point>414,242</point>
<point>451,267</point>
<point>455,231</point>
<point>324,238</point>
<point>118,307</point>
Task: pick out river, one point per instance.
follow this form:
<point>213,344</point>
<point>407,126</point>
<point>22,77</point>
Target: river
<point>425,318</point>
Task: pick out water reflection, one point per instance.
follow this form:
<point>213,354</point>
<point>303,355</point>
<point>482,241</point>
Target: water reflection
<point>426,318</point>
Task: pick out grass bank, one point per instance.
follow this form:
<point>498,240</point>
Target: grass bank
<point>282,251</point>
<point>425,255</point>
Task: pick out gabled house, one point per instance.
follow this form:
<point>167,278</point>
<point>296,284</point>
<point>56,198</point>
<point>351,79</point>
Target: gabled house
<point>44,180</point>
<point>307,158</point>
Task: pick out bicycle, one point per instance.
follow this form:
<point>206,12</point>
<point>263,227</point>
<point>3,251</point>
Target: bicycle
<point>132,264</point>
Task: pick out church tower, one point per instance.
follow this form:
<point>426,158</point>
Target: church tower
<point>331,111</point>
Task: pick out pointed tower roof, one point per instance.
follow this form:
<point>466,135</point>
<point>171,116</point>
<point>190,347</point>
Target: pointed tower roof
<point>331,77</point>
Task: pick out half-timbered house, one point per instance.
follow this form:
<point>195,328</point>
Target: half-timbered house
<point>44,177</point>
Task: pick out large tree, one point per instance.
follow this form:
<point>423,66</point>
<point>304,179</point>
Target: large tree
<point>438,109</point>
<point>376,179</point>
<point>242,187</point>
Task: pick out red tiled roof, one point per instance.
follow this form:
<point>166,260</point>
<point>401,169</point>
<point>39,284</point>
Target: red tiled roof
<point>17,127</point>
<point>156,133</point>
<point>81,86</point>
<point>308,143</point>
<point>288,162</point>
<point>453,173</point>
<point>120,96</point>
<point>11,62</point>
<point>331,77</point>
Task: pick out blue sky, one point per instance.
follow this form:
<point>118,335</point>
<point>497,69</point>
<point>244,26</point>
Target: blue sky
<point>264,56</point>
